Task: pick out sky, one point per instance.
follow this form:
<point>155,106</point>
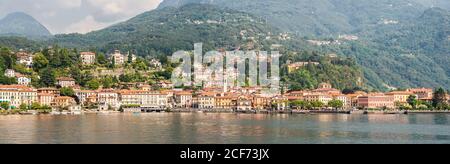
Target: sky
<point>78,16</point>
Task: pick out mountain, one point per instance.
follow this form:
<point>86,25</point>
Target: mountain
<point>318,17</point>
<point>422,45</point>
<point>171,29</point>
<point>414,53</point>
<point>21,24</point>
<point>402,43</point>
<point>164,31</point>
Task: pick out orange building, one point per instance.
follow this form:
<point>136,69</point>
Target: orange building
<point>63,101</point>
<point>46,98</point>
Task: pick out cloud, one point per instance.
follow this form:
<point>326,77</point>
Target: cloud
<point>69,16</point>
<point>107,10</point>
<point>86,25</point>
<point>68,3</point>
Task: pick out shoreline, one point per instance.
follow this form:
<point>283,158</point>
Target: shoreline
<point>292,112</point>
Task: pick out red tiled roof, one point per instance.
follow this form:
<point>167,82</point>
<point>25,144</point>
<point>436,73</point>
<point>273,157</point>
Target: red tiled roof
<point>87,53</point>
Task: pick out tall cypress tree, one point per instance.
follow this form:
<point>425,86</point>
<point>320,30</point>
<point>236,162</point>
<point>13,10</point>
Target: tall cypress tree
<point>439,98</point>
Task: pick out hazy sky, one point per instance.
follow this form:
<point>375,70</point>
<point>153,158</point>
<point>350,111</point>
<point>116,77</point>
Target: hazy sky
<point>68,16</point>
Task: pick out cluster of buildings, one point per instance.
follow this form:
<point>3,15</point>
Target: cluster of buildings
<point>87,58</point>
<point>237,99</point>
<point>144,97</point>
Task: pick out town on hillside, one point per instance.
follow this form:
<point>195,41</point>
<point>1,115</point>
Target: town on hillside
<point>113,82</point>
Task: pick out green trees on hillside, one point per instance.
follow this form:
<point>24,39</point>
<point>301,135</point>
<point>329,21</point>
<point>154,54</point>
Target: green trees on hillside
<point>48,77</point>
<point>40,61</point>
<point>65,91</point>
<point>341,72</point>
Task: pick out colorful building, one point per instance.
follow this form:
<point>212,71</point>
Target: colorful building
<point>376,101</point>
<point>16,95</point>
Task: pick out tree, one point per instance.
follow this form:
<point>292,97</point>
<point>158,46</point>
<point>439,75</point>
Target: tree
<point>35,106</point>
<point>108,82</point>
<point>23,106</point>
<point>113,64</point>
<point>65,91</point>
<point>48,78</point>
<point>4,105</point>
<point>299,104</point>
<point>101,59</point>
<point>76,74</point>
<point>7,58</point>
<point>130,58</point>
<point>302,79</point>
<point>317,104</point>
<point>439,99</point>
<point>7,80</point>
<point>412,100</point>
<point>93,84</point>
<point>39,62</point>
<point>336,104</point>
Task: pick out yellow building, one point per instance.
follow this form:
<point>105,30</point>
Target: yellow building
<point>206,100</point>
<point>400,96</point>
<point>226,101</point>
<point>63,101</point>
<point>324,98</point>
<point>16,95</point>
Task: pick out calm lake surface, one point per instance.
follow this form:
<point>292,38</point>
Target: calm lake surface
<point>196,128</point>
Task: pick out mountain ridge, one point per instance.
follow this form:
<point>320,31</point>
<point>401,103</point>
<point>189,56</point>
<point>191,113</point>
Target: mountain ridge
<point>22,24</point>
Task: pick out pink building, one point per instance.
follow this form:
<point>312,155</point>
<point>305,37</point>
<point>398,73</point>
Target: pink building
<point>376,101</point>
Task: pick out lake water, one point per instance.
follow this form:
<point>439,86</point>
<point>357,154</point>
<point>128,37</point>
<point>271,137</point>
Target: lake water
<point>200,128</point>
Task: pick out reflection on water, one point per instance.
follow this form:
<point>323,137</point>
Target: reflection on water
<point>225,128</point>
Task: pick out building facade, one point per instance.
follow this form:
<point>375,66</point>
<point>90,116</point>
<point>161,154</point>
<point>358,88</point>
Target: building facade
<point>16,95</point>
<point>65,82</point>
<point>88,58</point>
<point>376,101</point>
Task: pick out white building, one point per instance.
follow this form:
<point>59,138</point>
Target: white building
<point>183,99</point>
<point>25,58</point>
<point>146,99</point>
<point>86,96</point>
<point>10,73</point>
<point>23,80</point>
<point>66,82</point>
<point>109,98</point>
<point>87,58</point>
<point>118,58</point>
